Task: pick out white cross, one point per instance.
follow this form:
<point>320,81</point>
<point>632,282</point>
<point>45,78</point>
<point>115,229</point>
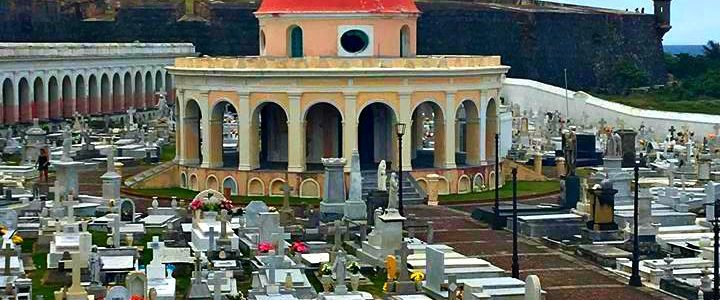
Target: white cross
<point>156,245</point>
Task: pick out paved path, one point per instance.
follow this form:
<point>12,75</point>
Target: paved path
<point>561,275</point>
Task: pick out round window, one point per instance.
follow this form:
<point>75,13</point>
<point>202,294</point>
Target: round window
<point>354,41</point>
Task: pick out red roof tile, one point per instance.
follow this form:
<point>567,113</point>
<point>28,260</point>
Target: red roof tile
<point>336,6</point>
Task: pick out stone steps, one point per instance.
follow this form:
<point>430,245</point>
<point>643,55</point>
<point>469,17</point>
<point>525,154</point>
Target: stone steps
<point>411,195</point>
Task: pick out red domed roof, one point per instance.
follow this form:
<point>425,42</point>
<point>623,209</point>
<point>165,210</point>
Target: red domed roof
<point>336,6</point>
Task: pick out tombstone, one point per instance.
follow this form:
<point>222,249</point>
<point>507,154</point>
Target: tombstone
<point>118,293</point>
<point>252,212</point>
<point>404,285</point>
<point>9,218</point>
<point>434,268</point>
<point>127,210</point>
<point>340,269</point>
<point>136,283</point>
<point>111,179</point>
<point>333,202</point>
<point>115,225</point>
<point>532,288</point>
<point>217,281</point>
<point>355,208</point>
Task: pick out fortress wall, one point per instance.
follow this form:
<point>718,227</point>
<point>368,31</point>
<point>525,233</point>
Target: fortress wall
<point>533,95</point>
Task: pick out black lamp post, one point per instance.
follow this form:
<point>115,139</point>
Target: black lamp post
<point>400,130</point>
<point>496,223</point>
<point>515,263</point>
<point>635,276</point>
<point>716,264</point>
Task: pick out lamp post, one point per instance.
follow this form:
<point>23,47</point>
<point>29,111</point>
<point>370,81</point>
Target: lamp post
<point>635,276</point>
<point>400,130</point>
<point>496,208</point>
<point>716,264</point>
<point>515,263</point>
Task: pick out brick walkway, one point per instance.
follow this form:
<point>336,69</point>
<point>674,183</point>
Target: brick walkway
<point>561,275</point>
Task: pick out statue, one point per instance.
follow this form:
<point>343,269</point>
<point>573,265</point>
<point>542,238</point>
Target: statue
<point>95,266</point>
<point>570,152</point>
<point>382,176</point>
<point>393,201</point>
<point>614,145</point>
<point>67,143</point>
<point>163,108</point>
<point>391,267</point>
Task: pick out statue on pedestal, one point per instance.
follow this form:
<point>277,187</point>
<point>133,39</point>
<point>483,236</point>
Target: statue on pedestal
<point>382,176</point>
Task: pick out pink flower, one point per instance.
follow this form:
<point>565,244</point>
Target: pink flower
<point>196,204</point>
<point>226,204</point>
<point>265,247</point>
<point>299,247</point>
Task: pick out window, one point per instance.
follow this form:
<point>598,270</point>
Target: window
<point>354,41</point>
<point>296,42</point>
<point>405,41</point>
<point>262,42</point>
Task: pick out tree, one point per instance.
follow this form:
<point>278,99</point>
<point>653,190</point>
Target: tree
<point>712,50</point>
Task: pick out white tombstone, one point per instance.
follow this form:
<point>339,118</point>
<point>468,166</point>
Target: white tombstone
<point>532,288</point>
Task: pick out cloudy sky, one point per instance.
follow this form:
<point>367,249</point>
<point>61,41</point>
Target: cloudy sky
<point>694,22</point>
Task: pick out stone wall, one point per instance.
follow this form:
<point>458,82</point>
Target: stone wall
<point>537,43</point>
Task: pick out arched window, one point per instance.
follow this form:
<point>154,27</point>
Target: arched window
<point>296,42</point>
<point>405,41</point>
<point>262,42</point>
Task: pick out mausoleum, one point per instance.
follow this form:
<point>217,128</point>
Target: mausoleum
<point>334,76</point>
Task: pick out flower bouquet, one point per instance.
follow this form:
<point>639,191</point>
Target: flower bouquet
<point>17,239</point>
<point>354,269</point>
<point>265,247</point>
<point>325,272</point>
<point>299,247</point>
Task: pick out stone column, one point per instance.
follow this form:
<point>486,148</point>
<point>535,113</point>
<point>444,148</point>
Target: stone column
<point>405,116</point>
<point>214,144</point>
<point>538,163</point>
<point>70,105</point>
<point>432,188</point>
<point>179,138</point>
<point>2,105</point>
<point>98,95</point>
<point>206,134</point>
<point>12,111</point>
<point>296,134</point>
<point>119,100</point>
<point>129,99</point>
<point>350,128</point>
<point>449,131</point>
<point>139,94</point>
<point>472,138</point>
<point>43,105</point>
<point>81,100</point>
<point>483,137</point>
<point>245,150</point>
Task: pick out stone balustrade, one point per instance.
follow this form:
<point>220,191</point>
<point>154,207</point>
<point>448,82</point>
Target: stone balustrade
<point>64,50</point>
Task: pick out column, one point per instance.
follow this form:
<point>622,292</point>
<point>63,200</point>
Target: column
<point>245,121</point>
<point>119,100</point>
<point>12,113</point>
<point>70,105</point>
<point>179,138</point>
<point>43,105</point>
<point>214,143</point>
<point>140,93</point>
<point>130,99</point>
<point>2,105</point>
<point>205,132</point>
<point>296,134</point>
<point>350,129</point>
<point>449,131</point>
<point>483,138</point>
<point>472,141</point>
<point>405,116</point>
<point>98,97</point>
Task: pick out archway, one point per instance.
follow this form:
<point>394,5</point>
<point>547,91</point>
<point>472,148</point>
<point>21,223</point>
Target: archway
<point>223,136</point>
<point>230,184</point>
<point>323,134</point>
<point>269,124</point>
<point>26,105</point>
<point>117,94</point>
<point>8,106</point>
<point>149,92</point>
<point>158,81</point>
<point>295,41</point>
<point>139,91</point>
<point>55,110</point>
<point>428,136</point>
<point>94,103</point>
<point>128,96</point>
<point>39,103</point>
<point>376,138</point>
<point>405,41</point>
<point>81,103</point>
<point>67,100</point>
<point>106,99</point>
<point>467,134</point>
<point>191,133</point>
<point>490,130</point>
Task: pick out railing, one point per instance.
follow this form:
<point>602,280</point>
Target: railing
<point>19,50</point>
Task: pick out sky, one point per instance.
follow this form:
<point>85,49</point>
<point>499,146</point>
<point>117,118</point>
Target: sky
<point>694,22</point>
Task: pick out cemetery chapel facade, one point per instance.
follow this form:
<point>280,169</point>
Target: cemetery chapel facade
<point>332,77</point>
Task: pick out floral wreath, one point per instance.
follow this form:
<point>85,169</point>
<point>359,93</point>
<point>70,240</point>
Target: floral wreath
<point>210,200</point>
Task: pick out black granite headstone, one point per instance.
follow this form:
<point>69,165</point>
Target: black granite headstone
<point>627,137</point>
<point>375,200</point>
<point>572,192</point>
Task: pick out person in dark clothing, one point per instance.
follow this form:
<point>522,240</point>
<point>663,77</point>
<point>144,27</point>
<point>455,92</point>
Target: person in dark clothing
<point>43,164</point>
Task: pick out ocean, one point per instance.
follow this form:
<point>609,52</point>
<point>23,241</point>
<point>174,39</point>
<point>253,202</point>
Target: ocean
<point>689,49</point>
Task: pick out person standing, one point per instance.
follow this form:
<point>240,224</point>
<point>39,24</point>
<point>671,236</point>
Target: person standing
<point>43,164</point>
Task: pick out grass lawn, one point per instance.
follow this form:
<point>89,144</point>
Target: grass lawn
<point>650,101</point>
<point>40,287</point>
<point>167,153</point>
<point>524,188</point>
<point>188,194</point>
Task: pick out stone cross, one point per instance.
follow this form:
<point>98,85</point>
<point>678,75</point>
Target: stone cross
<point>197,276</point>
<point>403,254</point>
<point>69,207</point>
<point>131,115</point>
<point>67,144</point>
<point>111,160</point>
<point>278,242</point>
<point>156,245</point>
<point>211,238</point>
<point>76,287</point>
<point>217,281</point>
<point>223,224</point>
<point>115,223</point>
<point>338,234</point>
<point>7,252</point>
<point>672,132</point>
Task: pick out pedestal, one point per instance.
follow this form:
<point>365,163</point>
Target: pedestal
<point>332,206</point>
<point>572,192</point>
<point>375,200</point>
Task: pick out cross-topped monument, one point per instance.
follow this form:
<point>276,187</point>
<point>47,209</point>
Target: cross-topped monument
<point>217,282</point>
<point>115,225</point>
<point>156,245</point>
<point>7,253</point>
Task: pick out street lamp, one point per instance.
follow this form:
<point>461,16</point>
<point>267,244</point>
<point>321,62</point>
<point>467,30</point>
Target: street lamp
<point>496,223</point>
<point>400,131</point>
<point>635,276</point>
<point>515,263</point>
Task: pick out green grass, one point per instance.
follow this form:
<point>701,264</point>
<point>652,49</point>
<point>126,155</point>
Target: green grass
<point>167,153</point>
<point>652,101</point>
<point>524,188</point>
<point>377,280</point>
<point>188,194</point>
<point>99,238</point>
<point>47,290</point>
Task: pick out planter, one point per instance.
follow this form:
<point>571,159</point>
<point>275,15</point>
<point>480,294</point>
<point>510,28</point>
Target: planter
<point>326,281</point>
<point>354,282</point>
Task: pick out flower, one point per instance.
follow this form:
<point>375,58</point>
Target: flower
<point>226,205</point>
<point>325,269</point>
<point>196,204</point>
<point>417,276</point>
<point>299,247</point>
<point>265,247</point>
<point>17,239</point>
<point>137,297</point>
<point>353,268</point>
<point>3,230</point>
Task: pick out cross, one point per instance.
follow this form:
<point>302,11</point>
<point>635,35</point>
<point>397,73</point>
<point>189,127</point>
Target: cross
<point>116,230</point>
<point>672,132</point>
<point>197,277</point>
<point>338,234</point>
<point>69,207</point>
<point>211,238</point>
<point>279,244</point>
<point>403,254</point>
<point>7,252</point>
<point>223,224</point>
<point>76,287</point>
<point>156,245</point>
<point>217,282</point>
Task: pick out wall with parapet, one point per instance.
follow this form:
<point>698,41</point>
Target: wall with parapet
<point>536,96</point>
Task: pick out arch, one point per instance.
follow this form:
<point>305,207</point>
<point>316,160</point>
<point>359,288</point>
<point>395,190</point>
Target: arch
<point>212,183</point>
<point>193,182</point>
<point>224,139</point>
<point>443,186</point>
<point>376,137</point>
<point>463,185</point>
<point>491,180</point>
<point>39,99</point>
<point>262,42</point>
<point>54,108</point>
<point>423,184</point>
<point>81,101</point>
<point>117,95</point>
<point>490,129</point>
<point>127,92</point>
<point>309,188</point>
<point>168,82</point>
<point>255,187</point>
<point>68,101</point>
<point>295,41</point>
<point>26,104</point>
<point>191,133</point>
<point>479,182</point>
<point>323,134</point>
<point>405,47</point>
<point>230,183</point>
<point>183,180</point>
<point>467,134</point>
<point>139,91</point>
<point>158,81</point>
<point>276,187</point>
<point>103,102</point>
<point>8,105</point>
<point>149,91</point>
<point>269,123</point>
<point>427,136</point>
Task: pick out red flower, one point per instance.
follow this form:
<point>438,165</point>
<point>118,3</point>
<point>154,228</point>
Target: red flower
<point>196,204</point>
<point>265,247</point>
<point>137,297</point>
<point>299,247</point>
